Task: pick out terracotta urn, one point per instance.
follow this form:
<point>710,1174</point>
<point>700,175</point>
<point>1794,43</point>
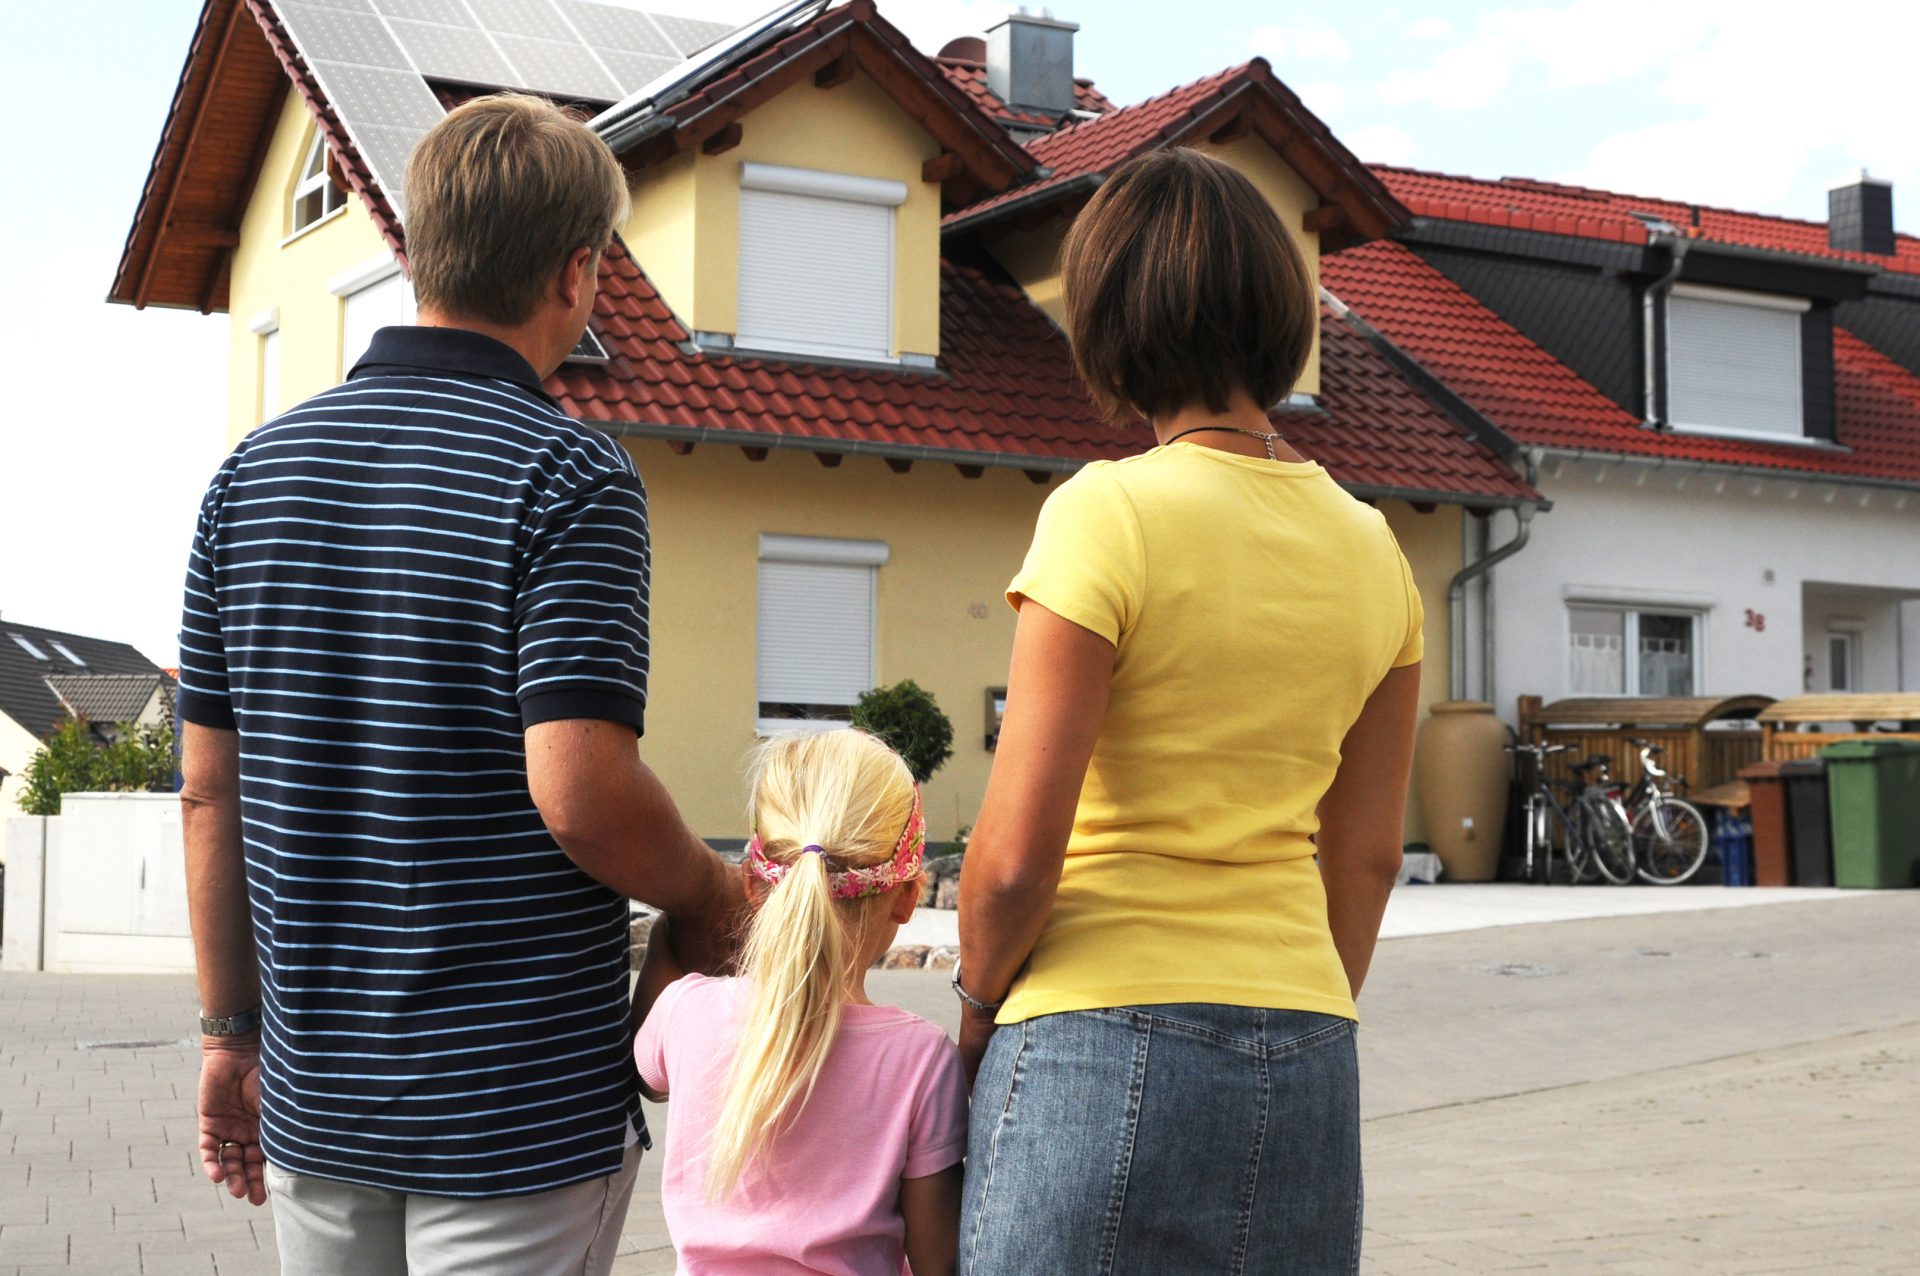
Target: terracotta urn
<point>1460,771</point>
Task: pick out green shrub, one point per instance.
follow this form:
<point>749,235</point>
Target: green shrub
<point>71,760</point>
<point>911,723</point>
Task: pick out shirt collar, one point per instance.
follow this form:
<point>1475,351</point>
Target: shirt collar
<point>399,351</point>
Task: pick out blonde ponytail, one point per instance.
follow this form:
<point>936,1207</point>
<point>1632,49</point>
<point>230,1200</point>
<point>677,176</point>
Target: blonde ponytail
<point>822,803</point>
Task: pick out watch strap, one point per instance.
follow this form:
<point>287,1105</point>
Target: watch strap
<point>231,1025</point>
<point>970,1001</point>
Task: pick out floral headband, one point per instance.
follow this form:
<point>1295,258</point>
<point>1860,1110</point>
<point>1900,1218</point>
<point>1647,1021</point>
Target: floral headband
<point>854,883</point>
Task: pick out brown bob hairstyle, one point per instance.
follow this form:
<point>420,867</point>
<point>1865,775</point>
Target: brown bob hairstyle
<point>1181,286</point>
<point>500,194</point>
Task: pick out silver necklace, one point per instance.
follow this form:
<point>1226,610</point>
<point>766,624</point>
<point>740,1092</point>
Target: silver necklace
<point>1268,439</point>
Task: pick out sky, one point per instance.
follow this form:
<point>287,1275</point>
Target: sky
<point>117,418</point>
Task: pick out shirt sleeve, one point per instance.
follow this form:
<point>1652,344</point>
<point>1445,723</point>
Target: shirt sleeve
<point>937,1137</point>
<point>1413,647</point>
<point>203,697</point>
<point>1087,562</point>
<point>650,1046</point>
<point>581,615</point>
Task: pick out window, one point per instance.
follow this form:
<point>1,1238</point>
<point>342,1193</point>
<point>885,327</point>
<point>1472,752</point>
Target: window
<point>1843,660</point>
<point>816,262</point>
<point>814,632</point>
<point>270,374</point>
<point>317,194</point>
<point>1733,362</point>
<point>1617,651</point>
<point>67,652</point>
<point>372,297</point>
<point>28,647</point>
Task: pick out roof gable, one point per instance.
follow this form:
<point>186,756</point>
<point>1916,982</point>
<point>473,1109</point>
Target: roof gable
<point>24,694</point>
<point>1245,98</point>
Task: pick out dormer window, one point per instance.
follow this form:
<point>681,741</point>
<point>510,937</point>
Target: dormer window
<point>316,195</point>
<point>816,262</point>
<point>26,645</point>
<point>1734,362</point>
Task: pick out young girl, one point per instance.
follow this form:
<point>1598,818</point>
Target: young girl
<point>811,1130</point>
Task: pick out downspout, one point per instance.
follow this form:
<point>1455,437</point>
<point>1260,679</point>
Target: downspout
<point>1655,291</point>
<point>1457,591</point>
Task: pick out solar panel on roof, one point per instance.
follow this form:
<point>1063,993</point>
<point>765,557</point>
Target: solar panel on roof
<point>373,59</point>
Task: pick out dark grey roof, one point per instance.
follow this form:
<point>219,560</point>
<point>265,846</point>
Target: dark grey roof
<point>106,698</point>
<point>24,694</point>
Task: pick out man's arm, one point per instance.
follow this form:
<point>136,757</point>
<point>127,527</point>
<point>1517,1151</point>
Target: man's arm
<point>614,819</point>
<point>1361,815</point>
<point>225,958</point>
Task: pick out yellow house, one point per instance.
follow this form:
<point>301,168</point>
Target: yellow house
<point>827,335</point>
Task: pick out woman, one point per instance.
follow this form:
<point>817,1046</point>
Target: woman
<point>1193,823</point>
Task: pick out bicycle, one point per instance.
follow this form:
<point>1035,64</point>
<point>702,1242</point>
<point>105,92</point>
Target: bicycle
<point>1669,833</point>
<point>1597,834</point>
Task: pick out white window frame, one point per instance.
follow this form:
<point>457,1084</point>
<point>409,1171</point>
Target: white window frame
<point>371,273</point>
<point>829,552</point>
<point>266,326</point>
<point>1631,612</point>
<point>314,178</point>
<point>66,652</point>
<point>845,188</point>
<point>27,645</point>
<point>1757,301</point>
<point>1855,638</point>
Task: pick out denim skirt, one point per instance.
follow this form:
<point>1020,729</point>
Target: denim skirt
<point>1165,1139</point>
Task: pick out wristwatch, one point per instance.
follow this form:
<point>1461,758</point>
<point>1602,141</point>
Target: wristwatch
<point>970,1001</point>
<point>230,1025</point>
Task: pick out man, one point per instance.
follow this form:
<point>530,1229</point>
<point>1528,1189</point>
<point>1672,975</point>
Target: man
<point>413,669</point>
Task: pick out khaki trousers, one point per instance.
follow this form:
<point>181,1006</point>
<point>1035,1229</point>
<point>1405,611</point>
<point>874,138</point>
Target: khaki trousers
<point>328,1228</point>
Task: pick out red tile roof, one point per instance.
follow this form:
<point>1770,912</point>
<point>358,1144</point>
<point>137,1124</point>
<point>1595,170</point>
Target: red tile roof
<point>1541,402</point>
<point>971,76</point>
<point>1193,112</point>
<point>1524,204</point>
<point>1005,393</point>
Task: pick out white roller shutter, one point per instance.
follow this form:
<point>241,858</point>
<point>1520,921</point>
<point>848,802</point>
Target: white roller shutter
<point>814,633</point>
<point>816,273</point>
<point>1733,362</point>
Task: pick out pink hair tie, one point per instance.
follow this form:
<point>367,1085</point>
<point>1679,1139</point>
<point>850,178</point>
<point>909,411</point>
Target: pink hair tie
<point>854,883</point>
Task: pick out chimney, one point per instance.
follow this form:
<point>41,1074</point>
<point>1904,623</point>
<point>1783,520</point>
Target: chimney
<point>1860,216</point>
<point>1030,61</point>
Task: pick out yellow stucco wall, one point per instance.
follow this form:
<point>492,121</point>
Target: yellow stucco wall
<point>1032,255</point>
<point>1431,543</point>
<point>272,270</point>
<point>953,545</point>
<point>685,228</point>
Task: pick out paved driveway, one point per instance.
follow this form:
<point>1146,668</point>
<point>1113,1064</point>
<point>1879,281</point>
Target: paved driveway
<point>1729,1091</point>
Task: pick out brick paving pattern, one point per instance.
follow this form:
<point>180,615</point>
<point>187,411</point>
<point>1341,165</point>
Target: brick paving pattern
<point>1728,1092</point>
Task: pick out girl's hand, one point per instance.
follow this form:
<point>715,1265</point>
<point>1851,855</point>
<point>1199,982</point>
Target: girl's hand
<point>976,1030</point>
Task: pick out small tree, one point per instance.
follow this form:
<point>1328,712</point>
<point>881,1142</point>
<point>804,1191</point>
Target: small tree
<point>72,761</point>
<point>911,723</point>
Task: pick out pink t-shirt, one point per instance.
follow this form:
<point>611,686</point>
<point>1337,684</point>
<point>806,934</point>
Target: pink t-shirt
<point>891,1103</point>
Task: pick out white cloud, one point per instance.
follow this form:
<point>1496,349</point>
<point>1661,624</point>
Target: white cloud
<point>1315,43</point>
<point>1379,144</point>
<point>1465,77</point>
<point>1323,97</point>
<point>1430,29</point>
<point>113,433</point>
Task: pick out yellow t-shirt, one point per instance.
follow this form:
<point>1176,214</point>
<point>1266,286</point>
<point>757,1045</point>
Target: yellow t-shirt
<point>1253,607</point>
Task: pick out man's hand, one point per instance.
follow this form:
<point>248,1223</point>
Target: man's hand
<point>706,939</point>
<point>230,1118</point>
<point>976,1031</point>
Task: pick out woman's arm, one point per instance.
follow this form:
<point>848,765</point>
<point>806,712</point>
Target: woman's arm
<point>931,1208</point>
<point>1056,700</point>
<point>1361,816</point>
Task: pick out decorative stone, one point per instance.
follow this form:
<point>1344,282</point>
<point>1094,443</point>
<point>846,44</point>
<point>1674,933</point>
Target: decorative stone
<point>942,958</point>
<point>637,937</point>
<point>948,896</point>
<point>905,957</point>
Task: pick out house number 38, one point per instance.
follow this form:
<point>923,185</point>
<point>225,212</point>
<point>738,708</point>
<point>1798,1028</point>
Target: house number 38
<point>1756,621</point>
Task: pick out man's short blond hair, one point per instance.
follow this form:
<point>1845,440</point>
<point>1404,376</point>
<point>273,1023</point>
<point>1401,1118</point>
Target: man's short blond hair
<point>499,194</point>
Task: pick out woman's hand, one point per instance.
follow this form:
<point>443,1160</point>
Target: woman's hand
<point>976,1031</point>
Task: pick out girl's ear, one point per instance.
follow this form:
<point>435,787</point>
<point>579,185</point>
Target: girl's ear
<point>906,897</point>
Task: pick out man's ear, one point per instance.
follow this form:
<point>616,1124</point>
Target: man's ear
<point>576,275</point>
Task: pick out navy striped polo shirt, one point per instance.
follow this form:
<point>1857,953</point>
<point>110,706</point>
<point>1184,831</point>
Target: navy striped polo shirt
<point>388,584</point>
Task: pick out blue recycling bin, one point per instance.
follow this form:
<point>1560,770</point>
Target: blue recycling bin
<point>1733,844</point>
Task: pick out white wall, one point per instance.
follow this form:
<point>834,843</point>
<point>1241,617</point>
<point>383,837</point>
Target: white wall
<point>17,747</point>
<point>1631,533</point>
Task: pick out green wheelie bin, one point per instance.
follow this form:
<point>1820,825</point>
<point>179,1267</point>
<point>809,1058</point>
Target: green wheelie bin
<point>1874,788</point>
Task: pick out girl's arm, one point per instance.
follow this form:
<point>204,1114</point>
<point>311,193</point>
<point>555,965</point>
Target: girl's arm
<point>1360,819</point>
<point>931,1208</point>
<point>658,968</point>
<point>1057,694</point>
